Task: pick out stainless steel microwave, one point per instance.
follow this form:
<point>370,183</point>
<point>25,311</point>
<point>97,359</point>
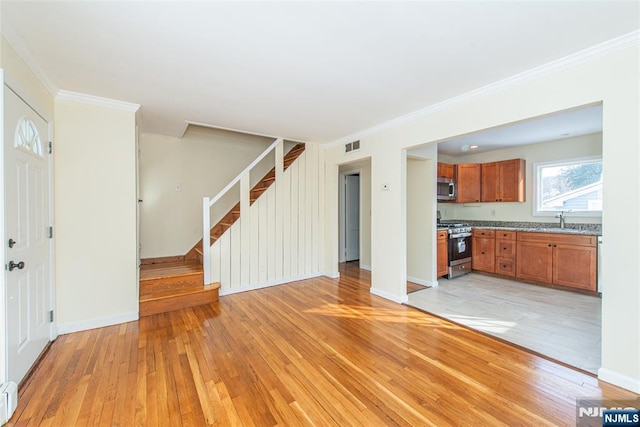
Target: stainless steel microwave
<point>446,189</point>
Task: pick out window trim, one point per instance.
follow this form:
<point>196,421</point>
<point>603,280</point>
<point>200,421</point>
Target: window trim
<point>537,188</point>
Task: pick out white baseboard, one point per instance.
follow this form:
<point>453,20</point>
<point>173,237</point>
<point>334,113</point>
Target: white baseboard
<point>101,322</point>
<point>421,282</point>
<point>330,274</point>
<point>620,380</point>
<point>365,267</point>
<point>236,290</point>
<point>387,295</point>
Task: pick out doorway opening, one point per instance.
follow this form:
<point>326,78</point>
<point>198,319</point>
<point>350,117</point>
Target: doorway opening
<point>354,214</point>
<point>565,138</point>
<point>350,215</point>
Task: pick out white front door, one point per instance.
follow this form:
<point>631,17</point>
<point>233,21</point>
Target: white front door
<point>27,246</point>
<point>352,217</point>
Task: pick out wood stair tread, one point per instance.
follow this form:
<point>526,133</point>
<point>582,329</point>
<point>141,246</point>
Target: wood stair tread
<point>177,299</point>
<point>176,292</point>
<point>168,270</point>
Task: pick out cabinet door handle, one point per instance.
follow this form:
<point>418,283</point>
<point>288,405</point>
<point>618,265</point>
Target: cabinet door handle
<point>549,245</point>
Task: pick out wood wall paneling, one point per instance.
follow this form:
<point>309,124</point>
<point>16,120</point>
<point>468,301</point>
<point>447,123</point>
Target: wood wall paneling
<point>295,183</point>
<point>302,219</point>
<point>262,239</point>
<point>278,237</point>
<point>270,197</point>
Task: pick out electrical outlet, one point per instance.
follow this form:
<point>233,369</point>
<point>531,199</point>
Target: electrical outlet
<point>493,212</point>
<point>263,268</point>
<point>178,187</point>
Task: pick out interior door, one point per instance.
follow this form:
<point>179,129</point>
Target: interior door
<point>27,249</point>
<point>352,217</point>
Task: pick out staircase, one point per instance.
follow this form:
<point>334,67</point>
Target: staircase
<point>173,283</point>
<point>234,213</point>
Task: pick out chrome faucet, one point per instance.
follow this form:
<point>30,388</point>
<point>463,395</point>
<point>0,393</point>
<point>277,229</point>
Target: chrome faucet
<point>561,216</point>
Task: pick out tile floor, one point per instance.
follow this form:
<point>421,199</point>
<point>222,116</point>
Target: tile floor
<point>561,325</point>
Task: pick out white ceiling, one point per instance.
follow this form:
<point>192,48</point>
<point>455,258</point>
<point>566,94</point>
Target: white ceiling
<point>311,71</point>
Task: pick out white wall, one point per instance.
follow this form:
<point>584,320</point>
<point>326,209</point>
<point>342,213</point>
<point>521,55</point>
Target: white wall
<point>610,78</point>
<point>421,251</point>
<point>203,162</point>
<point>95,214</point>
<point>15,73</point>
<point>278,239</point>
<point>569,148</point>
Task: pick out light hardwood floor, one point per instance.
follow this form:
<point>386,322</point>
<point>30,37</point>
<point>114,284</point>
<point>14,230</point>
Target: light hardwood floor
<point>315,352</point>
<point>563,325</point>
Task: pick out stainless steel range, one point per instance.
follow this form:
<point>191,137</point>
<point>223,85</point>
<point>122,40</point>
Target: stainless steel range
<point>459,249</point>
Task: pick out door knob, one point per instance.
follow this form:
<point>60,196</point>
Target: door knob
<point>13,265</point>
<point>12,243</point>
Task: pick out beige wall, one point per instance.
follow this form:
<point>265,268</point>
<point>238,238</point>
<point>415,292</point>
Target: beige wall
<point>202,163</point>
<point>569,148</point>
<point>610,79</point>
<point>95,215</point>
<point>22,80</point>
<point>421,250</point>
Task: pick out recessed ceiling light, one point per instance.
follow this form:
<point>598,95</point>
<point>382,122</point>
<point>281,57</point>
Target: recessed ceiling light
<point>473,146</point>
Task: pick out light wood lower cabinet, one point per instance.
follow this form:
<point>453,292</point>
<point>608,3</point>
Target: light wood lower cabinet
<point>506,253</point>
<point>535,261</point>
<point>483,251</point>
<point>442,253</point>
<point>558,259</point>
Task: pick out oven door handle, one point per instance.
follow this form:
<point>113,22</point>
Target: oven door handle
<point>455,236</point>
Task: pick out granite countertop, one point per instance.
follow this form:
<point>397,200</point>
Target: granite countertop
<point>535,227</point>
<point>556,230</point>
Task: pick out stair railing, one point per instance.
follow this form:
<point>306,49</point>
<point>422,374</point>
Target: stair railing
<point>207,202</point>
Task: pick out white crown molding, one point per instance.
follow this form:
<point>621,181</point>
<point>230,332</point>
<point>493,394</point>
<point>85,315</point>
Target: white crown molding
<point>66,95</point>
<point>586,55</point>
<point>16,42</point>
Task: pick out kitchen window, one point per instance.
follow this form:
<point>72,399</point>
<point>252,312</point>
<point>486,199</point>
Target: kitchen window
<point>569,185</point>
